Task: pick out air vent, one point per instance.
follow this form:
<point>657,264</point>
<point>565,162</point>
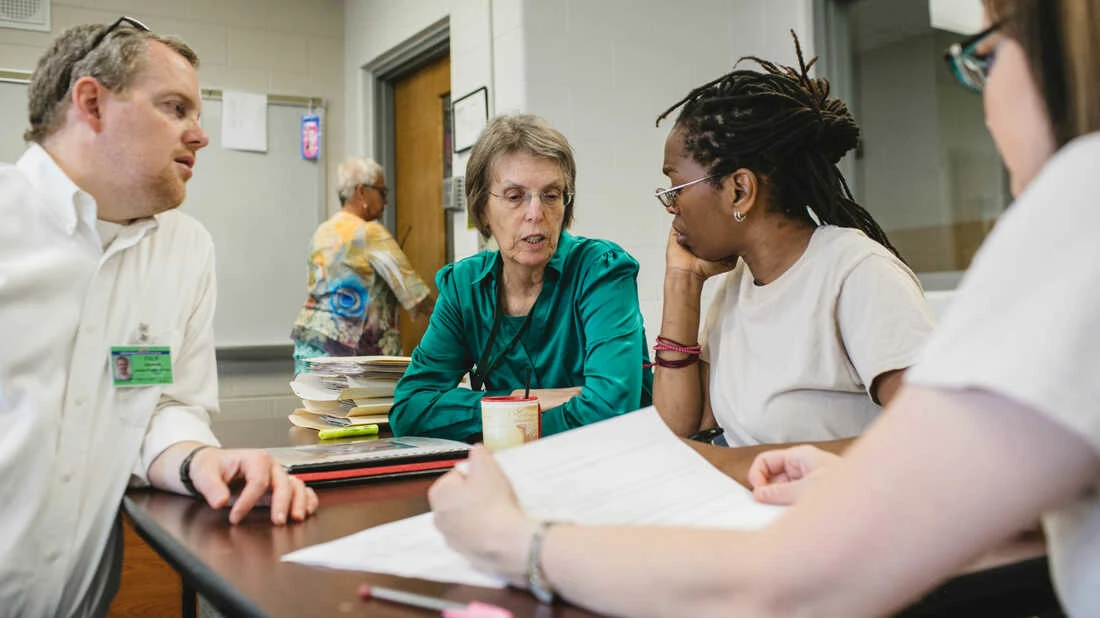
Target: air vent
<point>454,193</point>
<point>25,14</point>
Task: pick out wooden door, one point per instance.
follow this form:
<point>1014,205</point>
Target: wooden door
<point>419,101</point>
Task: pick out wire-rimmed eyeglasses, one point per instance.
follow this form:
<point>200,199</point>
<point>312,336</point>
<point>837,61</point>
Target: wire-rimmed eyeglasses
<point>98,40</point>
<point>970,60</point>
<point>552,198</point>
<point>667,197</point>
<point>383,191</point>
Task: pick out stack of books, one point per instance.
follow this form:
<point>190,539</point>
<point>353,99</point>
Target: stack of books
<point>347,390</point>
<point>349,462</point>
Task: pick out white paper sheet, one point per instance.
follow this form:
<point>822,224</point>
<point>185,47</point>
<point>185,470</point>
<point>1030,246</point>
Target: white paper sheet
<point>310,386</point>
<point>244,121</point>
<point>630,470</point>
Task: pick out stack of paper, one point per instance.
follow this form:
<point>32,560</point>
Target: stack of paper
<point>349,390</point>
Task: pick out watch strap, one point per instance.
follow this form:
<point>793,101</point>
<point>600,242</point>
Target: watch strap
<point>185,471</point>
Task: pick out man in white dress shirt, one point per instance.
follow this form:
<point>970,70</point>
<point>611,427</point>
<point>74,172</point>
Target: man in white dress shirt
<point>96,265</point>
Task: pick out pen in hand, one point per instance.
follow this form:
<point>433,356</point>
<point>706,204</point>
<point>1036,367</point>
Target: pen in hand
<point>448,609</point>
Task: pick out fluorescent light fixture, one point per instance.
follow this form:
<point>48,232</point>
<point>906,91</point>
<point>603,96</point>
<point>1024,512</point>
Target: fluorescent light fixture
<point>962,16</point>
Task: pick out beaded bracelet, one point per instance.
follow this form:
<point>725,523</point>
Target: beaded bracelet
<point>665,344</point>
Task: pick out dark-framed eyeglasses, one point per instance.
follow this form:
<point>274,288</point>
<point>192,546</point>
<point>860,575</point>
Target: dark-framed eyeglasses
<point>551,198</point>
<point>667,197</point>
<point>102,36</point>
<point>971,60</point>
<point>383,191</point>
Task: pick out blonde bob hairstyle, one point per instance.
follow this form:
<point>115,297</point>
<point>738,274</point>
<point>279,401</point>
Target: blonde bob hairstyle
<point>510,134</point>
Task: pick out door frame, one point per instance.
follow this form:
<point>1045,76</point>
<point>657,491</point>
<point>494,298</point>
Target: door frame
<point>833,45</point>
<point>378,80</point>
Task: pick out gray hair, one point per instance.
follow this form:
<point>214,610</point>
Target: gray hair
<point>510,134</point>
<point>114,63</point>
<point>356,171</point>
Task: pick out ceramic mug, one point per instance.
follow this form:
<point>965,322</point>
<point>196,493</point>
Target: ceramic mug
<point>510,420</point>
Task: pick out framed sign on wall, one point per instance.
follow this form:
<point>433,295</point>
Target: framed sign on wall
<point>470,114</point>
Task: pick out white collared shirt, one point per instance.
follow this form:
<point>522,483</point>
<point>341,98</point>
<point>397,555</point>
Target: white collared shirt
<point>70,441</point>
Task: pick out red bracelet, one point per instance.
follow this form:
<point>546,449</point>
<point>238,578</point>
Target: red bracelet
<point>667,345</point>
<point>672,364</point>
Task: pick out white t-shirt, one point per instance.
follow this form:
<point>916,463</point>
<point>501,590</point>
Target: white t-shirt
<point>70,441</point>
<point>792,361</point>
<point>1025,324</point>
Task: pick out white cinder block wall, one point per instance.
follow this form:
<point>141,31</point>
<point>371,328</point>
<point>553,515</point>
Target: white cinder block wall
<point>603,71</point>
<point>599,70</point>
<point>290,47</point>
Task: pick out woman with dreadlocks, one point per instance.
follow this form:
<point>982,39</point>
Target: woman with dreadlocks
<point>810,331</point>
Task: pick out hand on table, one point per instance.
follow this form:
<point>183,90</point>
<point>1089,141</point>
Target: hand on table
<point>212,469</point>
<point>478,514</point>
<point>781,476</point>
<point>551,397</point>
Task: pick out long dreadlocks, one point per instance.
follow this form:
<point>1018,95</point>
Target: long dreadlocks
<point>781,124</point>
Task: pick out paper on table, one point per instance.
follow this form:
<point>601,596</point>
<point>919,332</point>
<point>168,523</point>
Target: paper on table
<point>630,470</point>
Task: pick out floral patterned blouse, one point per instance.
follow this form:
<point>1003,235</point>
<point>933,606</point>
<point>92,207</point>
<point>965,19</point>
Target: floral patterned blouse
<point>357,277</point>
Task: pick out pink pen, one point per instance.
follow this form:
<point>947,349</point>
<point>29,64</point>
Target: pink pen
<point>448,609</point>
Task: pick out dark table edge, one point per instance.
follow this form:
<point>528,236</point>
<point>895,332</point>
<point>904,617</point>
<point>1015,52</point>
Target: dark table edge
<point>951,596</point>
<point>192,570</point>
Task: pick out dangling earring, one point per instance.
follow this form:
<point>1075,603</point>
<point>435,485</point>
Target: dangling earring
<point>737,216</point>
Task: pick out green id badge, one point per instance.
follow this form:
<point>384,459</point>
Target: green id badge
<point>141,366</point>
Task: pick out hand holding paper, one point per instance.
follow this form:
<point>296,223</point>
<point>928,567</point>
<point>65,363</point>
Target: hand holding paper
<point>479,515</point>
<point>629,470</point>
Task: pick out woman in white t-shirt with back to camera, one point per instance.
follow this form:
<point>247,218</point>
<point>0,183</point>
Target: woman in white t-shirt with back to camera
<point>818,317</point>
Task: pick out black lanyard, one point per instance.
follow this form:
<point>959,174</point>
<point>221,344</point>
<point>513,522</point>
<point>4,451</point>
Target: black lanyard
<point>481,371</point>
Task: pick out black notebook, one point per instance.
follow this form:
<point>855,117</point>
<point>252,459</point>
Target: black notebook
<point>360,460</point>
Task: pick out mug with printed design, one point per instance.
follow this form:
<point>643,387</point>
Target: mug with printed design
<point>511,420</point>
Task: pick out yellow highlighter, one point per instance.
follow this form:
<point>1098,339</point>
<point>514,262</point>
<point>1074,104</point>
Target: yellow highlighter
<point>351,431</point>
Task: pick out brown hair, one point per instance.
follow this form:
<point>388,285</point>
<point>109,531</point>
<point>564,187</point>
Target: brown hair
<point>114,63</point>
<point>507,135</point>
<point>1061,39</point>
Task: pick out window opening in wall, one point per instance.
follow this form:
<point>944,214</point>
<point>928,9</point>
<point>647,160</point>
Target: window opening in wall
<point>927,169</point>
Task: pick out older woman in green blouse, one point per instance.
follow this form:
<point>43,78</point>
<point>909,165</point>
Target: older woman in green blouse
<point>550,310</point>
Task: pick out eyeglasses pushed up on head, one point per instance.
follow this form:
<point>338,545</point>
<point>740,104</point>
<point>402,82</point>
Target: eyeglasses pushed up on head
<point>971,60</point>
<point>552,198</point>
<point>667,197</point>
<point>102,36</point>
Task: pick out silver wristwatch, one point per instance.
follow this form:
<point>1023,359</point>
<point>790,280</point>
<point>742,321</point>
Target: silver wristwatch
<point>536,579</point>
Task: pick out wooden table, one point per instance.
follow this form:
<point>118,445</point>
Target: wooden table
<point>237,568</point>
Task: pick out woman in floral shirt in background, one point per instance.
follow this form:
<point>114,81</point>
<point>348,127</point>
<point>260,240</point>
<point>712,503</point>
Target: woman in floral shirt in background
<point>357,276</point>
